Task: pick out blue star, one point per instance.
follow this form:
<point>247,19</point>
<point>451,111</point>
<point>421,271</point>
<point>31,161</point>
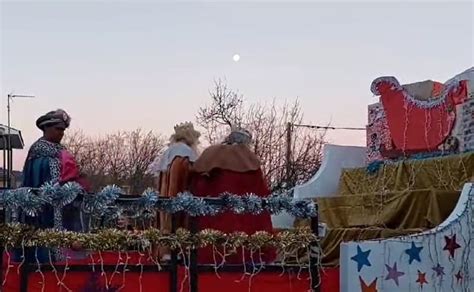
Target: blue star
<point>361,258</point>
<point>414,253</point>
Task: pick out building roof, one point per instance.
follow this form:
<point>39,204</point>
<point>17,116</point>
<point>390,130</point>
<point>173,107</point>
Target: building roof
<point>15,136</point>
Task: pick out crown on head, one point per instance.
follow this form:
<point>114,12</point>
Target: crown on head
<point>184,126</point>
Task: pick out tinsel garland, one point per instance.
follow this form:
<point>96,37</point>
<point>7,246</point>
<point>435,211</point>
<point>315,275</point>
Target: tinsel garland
<point>20,235</point>
<point>106,203</point>
<point>374,166</point>
<point>52,194</point>
<point>426,104</point>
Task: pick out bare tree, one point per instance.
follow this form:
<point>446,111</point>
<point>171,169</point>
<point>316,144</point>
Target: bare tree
<point>224,111</point>
<point>268,125</point>
<point>143,148</point>
<point>121,158</point>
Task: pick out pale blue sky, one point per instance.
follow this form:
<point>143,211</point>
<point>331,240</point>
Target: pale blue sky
<point>126,65</point>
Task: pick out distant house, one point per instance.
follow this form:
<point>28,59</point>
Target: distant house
<point>10,139</point>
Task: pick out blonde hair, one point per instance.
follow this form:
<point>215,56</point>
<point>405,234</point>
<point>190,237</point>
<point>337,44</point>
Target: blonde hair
<point>185,133</point>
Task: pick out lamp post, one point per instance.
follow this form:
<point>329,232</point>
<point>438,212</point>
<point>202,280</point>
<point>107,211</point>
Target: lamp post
<point>9,148</point>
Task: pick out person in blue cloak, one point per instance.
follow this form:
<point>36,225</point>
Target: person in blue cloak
<point>49,161</point>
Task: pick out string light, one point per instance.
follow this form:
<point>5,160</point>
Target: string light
<point>448,172</point>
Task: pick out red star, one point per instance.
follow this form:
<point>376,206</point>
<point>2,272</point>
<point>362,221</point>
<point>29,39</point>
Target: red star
<point>458,277</point>
<point>421,278</point>
<point>451,244</point>
<point>372,287</point>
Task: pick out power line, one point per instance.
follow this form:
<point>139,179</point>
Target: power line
<point>328,127</point>
<point>289,134</point>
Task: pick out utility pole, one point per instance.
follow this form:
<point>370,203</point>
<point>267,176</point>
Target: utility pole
<point>9,138</point>
<point>289,137</point>
<point>289,129</point>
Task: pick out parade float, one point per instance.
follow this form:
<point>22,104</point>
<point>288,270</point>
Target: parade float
<point>432,124</point>
<point>112,259</point>
<point>397,214</point>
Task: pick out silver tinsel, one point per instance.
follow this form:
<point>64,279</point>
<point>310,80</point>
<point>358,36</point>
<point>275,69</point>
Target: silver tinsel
<point>107,202</point>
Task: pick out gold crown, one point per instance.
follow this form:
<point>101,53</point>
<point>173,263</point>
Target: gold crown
<point>186,129</point>
<point>184,126</point>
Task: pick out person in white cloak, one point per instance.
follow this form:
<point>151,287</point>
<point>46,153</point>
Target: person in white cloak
<point>172,172</point>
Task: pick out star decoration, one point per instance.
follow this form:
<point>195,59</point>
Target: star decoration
<point>393,273</point>
<point>451,245</point>
<point>361,258</point>
<point>421,278</point>
<point>458,277</point>
<point>372,287</point>
<point>439,270</point>
<point>414,253</point>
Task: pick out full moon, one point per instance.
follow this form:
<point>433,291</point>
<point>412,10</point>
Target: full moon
<point>236,57</point>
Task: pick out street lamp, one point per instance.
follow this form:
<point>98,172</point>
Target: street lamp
<point>9,148</point>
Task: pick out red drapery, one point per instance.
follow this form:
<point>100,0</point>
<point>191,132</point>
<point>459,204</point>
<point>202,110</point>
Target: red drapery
<point>159,282</point>
<point>240,183</point>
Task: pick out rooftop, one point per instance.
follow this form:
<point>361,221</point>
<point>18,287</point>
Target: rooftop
<point>15,136</point>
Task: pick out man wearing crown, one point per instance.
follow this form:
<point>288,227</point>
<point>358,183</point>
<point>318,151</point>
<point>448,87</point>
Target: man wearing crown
<point>231,167</point>
<point>172,170</point>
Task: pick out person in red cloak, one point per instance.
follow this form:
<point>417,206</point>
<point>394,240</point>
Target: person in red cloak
<point>231,167</point>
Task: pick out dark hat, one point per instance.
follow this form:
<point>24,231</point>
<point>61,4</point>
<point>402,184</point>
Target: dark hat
<point>57,118</point>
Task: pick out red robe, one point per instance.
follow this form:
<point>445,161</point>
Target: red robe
<point>239,183</point>
<point>70,171</point>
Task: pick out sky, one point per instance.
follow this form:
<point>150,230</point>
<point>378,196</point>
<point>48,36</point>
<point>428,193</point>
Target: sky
<point>150,65</point>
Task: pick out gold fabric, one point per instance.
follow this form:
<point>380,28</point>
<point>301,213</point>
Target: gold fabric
<point>445,173</point>
<point>363,217</point>
<point>173,182</point>
<point>399,199</point>
<point>406,210</point>
<point>331,243</point>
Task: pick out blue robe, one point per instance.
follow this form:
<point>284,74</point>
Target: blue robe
<point>43,165</point>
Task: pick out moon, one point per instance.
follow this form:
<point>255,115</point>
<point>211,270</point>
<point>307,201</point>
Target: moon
<point>236,57</point>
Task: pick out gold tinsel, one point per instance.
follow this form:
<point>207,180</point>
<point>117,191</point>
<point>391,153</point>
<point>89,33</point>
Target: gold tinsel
<point>17,235</point>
